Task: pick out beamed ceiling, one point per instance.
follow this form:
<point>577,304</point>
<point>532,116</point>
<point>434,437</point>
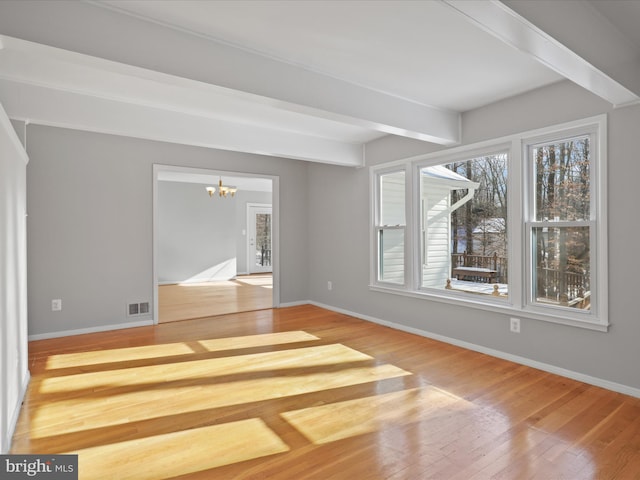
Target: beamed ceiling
<point>310,80</point>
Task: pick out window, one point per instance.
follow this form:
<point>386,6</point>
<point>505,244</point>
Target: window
<point>516,225</point>
<point>463,222</point>
<point>562,224</point>
<point>390,228</point>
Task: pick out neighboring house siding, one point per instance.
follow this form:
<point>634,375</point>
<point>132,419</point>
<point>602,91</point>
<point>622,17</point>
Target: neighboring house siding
<point>394,261</point>
<point>394,202</point>
<point>437,255</point>
<point>392,214</point>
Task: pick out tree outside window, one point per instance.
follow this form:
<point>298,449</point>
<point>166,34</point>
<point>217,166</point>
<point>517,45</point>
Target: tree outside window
<point>561,230</point>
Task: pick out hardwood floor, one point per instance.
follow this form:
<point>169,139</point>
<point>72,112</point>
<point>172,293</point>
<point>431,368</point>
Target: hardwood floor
<point>305,393</point>
<point>208,299</point>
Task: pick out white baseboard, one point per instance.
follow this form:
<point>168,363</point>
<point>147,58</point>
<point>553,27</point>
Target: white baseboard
<point>296,304</point>
<point>581,377</point>
<point>13,421</point>
<point>141,323</point>
<point>100,328</point>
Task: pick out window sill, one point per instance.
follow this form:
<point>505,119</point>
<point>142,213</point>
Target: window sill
<point>492,305</point>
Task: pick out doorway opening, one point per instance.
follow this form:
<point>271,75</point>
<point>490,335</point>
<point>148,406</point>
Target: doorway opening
<point>201,259</point>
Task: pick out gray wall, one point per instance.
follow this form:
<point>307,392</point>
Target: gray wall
<point>90,222</point>
<point>196,234</point>
<point>89,231</point>
<point>201,238</point>
<point>339,209</point>
<point>13,281</point>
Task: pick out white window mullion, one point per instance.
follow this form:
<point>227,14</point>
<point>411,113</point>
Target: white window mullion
<point>600,271</point>
<point>414,263</point>
<point>516,211</point>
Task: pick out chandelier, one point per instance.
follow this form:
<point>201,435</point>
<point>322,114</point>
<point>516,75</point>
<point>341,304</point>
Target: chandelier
<point>223,190</point>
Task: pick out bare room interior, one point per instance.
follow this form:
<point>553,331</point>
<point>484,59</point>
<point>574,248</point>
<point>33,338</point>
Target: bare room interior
<point>320,240</point>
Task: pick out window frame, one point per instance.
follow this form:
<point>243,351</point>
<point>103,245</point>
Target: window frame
<point>520,277</point>
<point>465,155</point>
<point>596,223</point>
<point>378,228</point>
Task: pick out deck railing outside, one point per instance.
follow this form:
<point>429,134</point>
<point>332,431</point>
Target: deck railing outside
<point>572,290</point>
<point>493,262</point>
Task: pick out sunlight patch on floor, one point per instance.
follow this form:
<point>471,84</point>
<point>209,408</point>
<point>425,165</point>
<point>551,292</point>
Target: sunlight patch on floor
<point>98,357</point>
<point>179,453</point>
<point>239,281</point>
<point>217,283</point>
<point>336,421</point>
<point>108,407</point>
<point>69,360</point>
<point>222,344</point>
<point>266,281</point>
<point>208,370</point>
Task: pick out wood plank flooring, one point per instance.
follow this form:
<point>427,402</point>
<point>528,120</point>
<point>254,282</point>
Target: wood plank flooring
<point>305,393</point>
<point>207,299</point>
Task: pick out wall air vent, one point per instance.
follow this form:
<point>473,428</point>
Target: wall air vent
<point>140,308</point>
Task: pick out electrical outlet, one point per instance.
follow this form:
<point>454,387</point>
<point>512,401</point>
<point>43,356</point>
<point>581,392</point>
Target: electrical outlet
<point>329,285</point>
<point>514,325</point>
<point>56,305</point>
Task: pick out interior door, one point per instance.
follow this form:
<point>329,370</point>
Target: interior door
<point>259,221</point>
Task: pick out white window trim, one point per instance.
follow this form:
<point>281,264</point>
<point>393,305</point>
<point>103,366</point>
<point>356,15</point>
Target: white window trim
<point>446,159</point>
<point>374,190</point>
<point>516,145</point>
<point>597,223</point>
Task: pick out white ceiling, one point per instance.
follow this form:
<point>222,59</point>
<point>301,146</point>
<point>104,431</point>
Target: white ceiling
<point>425,52</point>
<point>312,80</point>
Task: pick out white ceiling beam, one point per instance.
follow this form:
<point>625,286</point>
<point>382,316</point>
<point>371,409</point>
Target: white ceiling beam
<point>41,105</point>
<point>100,32</point>
<point>571,38</point>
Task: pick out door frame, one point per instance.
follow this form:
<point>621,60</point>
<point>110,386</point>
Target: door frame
<point>249,250</point>
<point>275,224</point>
